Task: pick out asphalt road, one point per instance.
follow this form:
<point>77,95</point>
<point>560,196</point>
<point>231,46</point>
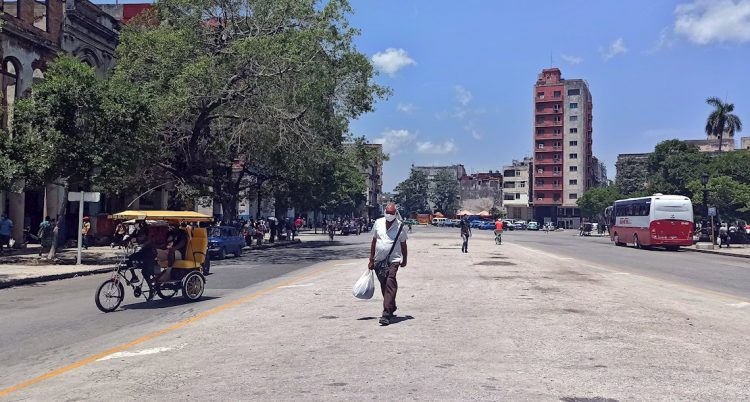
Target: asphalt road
<point>724,274</point>
<point>54,323</point>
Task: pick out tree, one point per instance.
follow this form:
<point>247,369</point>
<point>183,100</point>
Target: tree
<point>721,120</point>
<point>632,174</point>
<point>247,90</point>
<point>593,202</point>
<point>672,165</point>
<point>93,133</point>
<point>445,193</point>
<point>730,197</point>
<point>413,193</point>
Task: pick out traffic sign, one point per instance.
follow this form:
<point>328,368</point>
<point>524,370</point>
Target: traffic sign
<point>711,211</point>
<point>87,196</point>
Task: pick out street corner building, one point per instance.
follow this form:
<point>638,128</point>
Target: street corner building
<point>33,33</point>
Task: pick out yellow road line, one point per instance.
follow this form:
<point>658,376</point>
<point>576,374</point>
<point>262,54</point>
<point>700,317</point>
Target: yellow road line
<point>123,347</point>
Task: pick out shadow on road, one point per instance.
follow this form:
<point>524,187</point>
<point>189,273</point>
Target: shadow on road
<point>158,304</point>
<point>309,251</point>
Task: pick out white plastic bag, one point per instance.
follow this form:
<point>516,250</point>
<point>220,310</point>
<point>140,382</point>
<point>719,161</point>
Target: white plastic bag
<point>365,286</point>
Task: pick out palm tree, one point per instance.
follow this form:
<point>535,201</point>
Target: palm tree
<point>721,120</point>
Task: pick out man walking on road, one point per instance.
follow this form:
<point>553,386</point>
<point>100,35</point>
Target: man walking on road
<point>46,234</point>
<point>387,253</point>
<point>465,234</point>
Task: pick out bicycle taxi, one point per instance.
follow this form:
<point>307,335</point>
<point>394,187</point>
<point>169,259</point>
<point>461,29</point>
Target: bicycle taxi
<point>187,275</point>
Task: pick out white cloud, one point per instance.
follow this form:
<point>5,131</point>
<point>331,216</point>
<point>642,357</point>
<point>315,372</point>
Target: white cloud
<point>572,59</point>
<point>428,147</point>
<point>666,39</point>
<point>392,60</point>
<point>473,131</point>
<point>706,21</point>
<point>617,47</point>
<point>395,141</point>
<point>407,108</point>
<point>463,95</point>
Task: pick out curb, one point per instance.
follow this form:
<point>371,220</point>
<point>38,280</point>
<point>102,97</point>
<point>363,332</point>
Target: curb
<point>50,278</point>
<point>273,245</point>
<point>718,253</point>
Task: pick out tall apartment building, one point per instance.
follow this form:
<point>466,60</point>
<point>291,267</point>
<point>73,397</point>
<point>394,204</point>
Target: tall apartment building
<point>562,147</point>
<point>516,189</point>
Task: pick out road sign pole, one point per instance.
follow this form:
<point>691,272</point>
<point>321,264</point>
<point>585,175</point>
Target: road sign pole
<point>80,229</point>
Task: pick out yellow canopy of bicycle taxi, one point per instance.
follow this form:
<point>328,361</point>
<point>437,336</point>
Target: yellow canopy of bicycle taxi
<point>172,216</point>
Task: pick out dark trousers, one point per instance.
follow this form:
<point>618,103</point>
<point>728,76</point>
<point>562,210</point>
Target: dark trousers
<point>389,287</point>
<point>465,246</point>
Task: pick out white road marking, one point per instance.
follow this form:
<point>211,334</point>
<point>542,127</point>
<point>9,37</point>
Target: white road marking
<point>621,273</point>
<point>143,352</point>
<point>739,305</point>
<point>296,286</point>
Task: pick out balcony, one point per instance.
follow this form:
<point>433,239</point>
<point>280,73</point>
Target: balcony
<point>547,111</point>
<point>548,135</point>
<point>547,201</point>
<point>547,174</point>
<point>549,124</point>
<point>548,161</point>
<point>549,148</point>
<point>548,186</point>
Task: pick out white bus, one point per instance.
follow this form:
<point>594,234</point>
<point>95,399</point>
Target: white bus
<point>659,220</point>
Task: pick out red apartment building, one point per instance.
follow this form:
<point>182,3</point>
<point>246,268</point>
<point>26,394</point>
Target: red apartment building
<point>562,147</point>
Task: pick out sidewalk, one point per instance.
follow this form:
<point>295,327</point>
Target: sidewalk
<point>737,250</point>
<point>23,268</point>
<point>500,323</point>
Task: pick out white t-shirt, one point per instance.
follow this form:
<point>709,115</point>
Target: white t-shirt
<point>384,240</point>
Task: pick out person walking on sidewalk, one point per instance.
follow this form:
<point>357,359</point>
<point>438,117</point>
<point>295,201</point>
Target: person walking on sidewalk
<point>85,232</point>
<point>465,234</point>
<point>388,252</point>
<point>6,229</point>
<point>45,234</point>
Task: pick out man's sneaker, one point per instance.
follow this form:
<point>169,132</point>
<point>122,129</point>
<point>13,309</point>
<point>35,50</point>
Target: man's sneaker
<point>384,321</point>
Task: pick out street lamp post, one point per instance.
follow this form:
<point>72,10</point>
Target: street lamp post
<point>704,222</point>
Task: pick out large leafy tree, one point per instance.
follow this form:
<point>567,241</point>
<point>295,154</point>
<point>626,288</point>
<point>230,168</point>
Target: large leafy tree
<point>413,193</point>
<point>247,90</point>
<point>445,193</point>
<point>593,202</point>
<point>721,120</point>
<point>92,133</point>
<point>672,165</point>
<point>729,196</point>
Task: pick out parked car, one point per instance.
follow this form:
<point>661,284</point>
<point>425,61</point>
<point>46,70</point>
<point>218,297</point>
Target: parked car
<point>349,228</point>
<point>223,240</point>
<point>519,225</point>
<point>439,221</point>
<point>456,223</point>
<point>475,224</point>
<point>532,226</point>
<point>508,225</point>
<point>411,221</point>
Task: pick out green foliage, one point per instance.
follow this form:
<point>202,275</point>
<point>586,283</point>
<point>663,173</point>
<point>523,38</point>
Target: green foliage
<point>593,202</point>
<point>729,196</point>
<point>672,165</point>
<point>75,124</point>
<point>445,193</point>
<point>263,92</point>
<point>632,177</point>
<point>413,193</point>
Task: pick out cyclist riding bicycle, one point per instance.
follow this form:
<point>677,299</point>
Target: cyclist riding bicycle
<point>498,231</point>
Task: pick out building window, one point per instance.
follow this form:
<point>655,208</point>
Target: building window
<point>558,119</point>
<point>518,196</point>
<point>573,130</point>
<point>572,92</point>
<point>9,76</point>
<point>572,196</point>
<point>574,106</point>
<point>573,118</point>
<point>573,182</point>
<point>540,131</point>
<point>522,184</point>
<point>540,196</point>
<point>573,143</point>
<point>540,145</point>
<point>540,171</point>
<point>573,168</point>
<point>539,120</point>
<point>540,95</point>
<point>41,7</point>
<point>10,7</point>
<point>573,156</point>
<point>557,94</point>
<point>558,131</point>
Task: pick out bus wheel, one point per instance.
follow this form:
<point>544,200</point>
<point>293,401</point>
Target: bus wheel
<point>617,240</point>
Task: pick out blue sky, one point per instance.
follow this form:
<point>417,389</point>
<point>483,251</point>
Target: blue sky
<point>462,73</point>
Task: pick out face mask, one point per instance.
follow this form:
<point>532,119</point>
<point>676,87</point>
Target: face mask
<point>390,217</point>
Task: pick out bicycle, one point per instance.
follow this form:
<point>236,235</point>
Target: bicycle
<point>498,238</point>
